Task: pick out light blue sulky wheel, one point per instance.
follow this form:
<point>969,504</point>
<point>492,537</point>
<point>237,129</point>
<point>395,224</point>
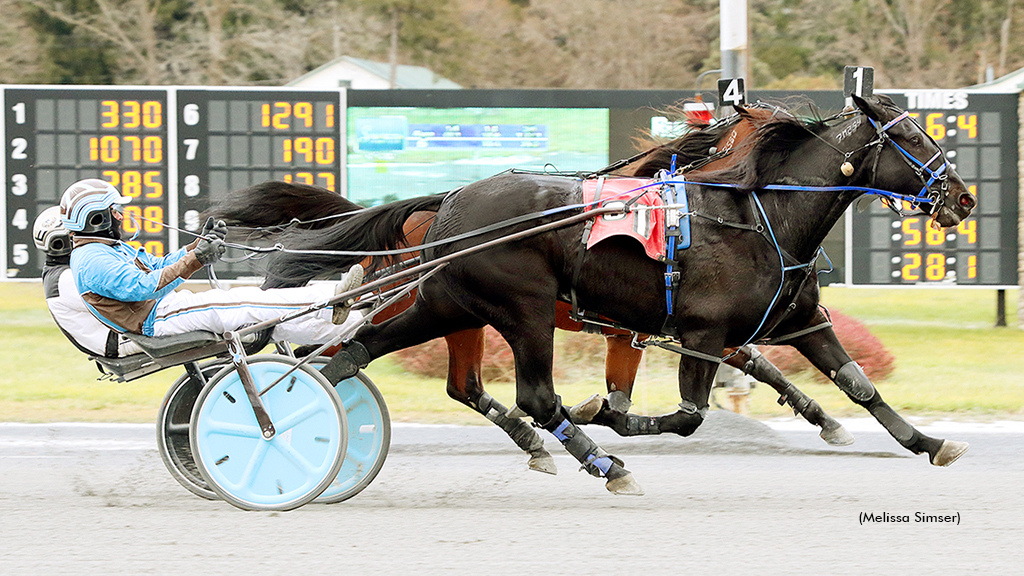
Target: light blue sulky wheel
<point>369,436</point>
<point>293,467</point>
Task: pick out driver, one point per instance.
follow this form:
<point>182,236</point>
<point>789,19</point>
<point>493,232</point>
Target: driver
<point>130,290</point>
<point>62,297</point>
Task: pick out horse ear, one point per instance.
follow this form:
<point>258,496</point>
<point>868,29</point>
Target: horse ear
<point>870,109</point>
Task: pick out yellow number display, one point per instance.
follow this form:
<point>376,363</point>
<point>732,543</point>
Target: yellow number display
<point>278,114</point>
<point>323,179</point>
<point>934,237</point>
<point>911,235</point>
<point>935,267</point>
<point>910,271</point>
<point>934,126</point>
<point>136,184</point>
<point>131,114</point>
<point>106,149</point>
<point>968,123</point>
<point>111,114</point>
<point>304,111</point>
<point>321,150</point>
<point>154,247</point>
<point>968,228</point>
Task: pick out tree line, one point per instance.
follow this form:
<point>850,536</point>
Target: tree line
<point>582,44</point>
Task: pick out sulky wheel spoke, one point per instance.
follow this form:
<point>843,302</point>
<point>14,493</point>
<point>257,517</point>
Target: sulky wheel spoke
<point>232,429</point>
<point>253,466</point>
<point>298,417</point>
<point>295,458</point>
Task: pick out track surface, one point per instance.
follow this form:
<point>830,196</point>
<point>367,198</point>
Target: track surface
<point>737,498</point>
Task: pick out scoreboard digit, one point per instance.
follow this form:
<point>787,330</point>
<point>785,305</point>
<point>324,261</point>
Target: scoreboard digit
<point>979,134</point>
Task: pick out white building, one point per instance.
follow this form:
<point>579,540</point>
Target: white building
<point>357,73</point>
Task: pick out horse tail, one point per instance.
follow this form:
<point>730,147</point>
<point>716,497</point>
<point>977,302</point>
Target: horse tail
<point>274,203</point>
<point>372,230</point>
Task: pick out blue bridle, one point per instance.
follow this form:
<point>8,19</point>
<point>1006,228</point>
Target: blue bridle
<point>926,195</point>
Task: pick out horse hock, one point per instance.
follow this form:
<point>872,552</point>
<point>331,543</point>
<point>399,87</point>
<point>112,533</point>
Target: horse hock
<point>593,458</point>
<point>832,431</point>
<point>519,431</point>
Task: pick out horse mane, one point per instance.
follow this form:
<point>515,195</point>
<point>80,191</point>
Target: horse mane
<point>771,145</point>
<point>375,229</point>
<point>275,203</point>
<point>691,147</point>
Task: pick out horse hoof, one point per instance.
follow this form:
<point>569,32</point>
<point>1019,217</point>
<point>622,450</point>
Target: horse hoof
<point>584,412</point>
<point>949,452</point>
<point>624,486</point>
<point>836,436</point>
<point>543,463</point>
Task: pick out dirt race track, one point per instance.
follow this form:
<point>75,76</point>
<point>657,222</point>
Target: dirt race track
<point>737,498</point>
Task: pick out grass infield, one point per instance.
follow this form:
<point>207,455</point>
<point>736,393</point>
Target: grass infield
<point>951,362</point>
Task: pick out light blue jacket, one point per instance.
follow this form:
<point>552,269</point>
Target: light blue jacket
<point>121,285</point>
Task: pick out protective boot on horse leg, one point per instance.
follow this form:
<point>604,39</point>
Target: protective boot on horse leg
<point>757,366</point>
<point>823,350</point>
<point>592,457</point>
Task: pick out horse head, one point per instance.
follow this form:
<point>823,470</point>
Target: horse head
<point>909,162</point>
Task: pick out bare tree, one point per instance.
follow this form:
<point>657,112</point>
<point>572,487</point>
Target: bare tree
<point>129,25</point>
<point>21,58</point>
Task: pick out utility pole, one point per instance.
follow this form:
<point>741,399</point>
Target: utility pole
<point>733,38</point>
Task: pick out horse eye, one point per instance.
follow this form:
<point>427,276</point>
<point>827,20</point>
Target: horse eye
<point>915,140</point>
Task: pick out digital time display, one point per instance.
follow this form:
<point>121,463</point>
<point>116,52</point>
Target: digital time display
<point>55,137</point>
<point>979,135</point>
<point>232,139</point>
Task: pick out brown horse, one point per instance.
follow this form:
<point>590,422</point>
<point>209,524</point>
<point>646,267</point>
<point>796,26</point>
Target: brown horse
<point>273,207</point>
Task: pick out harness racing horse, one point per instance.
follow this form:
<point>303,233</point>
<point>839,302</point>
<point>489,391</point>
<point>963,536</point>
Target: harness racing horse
<point>270,205</point>
<point>756,229</point>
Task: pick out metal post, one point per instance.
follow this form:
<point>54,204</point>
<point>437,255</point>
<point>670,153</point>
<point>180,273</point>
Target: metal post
<point>1000,307</point>
<point>733,38</point>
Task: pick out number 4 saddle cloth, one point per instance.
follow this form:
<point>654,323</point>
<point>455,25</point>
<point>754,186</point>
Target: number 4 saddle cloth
<point>645,226</point>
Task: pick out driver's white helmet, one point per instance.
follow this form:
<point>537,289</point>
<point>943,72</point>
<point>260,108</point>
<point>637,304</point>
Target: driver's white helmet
<point>49,233</point>
<point>85,205</point>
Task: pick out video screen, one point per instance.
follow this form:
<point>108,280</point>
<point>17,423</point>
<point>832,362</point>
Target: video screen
<point>396,153</point>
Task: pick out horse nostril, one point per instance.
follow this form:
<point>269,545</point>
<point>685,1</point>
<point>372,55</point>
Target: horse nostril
<point>967,201</point>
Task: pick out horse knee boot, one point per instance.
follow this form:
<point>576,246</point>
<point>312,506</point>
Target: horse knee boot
<point>346,363</point>
<point>852,380</point>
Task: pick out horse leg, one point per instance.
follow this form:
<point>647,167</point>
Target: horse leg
<point>695,379</point>
<point>536,396</point>
<point>465,384</point>
<point>418,324</point>
<point>825,352</point>
<point>621,361</point>
<point>752,362</point>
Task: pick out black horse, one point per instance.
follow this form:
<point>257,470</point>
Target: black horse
<point>748,274</point>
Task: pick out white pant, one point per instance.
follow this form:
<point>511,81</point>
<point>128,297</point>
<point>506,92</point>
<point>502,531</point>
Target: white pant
<point>220,311</point>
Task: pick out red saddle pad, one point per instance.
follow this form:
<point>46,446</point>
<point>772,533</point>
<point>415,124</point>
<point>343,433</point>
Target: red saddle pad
<point>645,226</point>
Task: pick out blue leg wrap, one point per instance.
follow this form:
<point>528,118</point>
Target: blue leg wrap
<point>594,459</point>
